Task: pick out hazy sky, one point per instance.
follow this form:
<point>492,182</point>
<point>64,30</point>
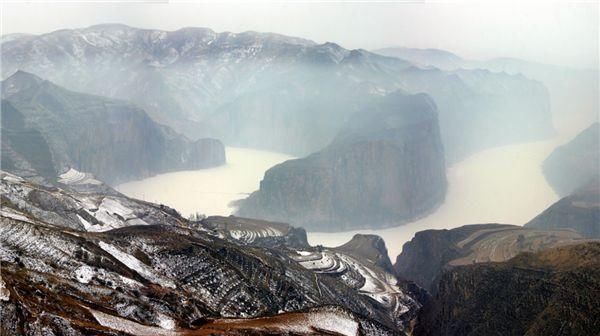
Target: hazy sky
<point>555,32</point>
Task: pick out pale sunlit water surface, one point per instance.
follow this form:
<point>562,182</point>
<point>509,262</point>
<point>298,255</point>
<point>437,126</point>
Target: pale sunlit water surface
<point>499,185</point>
<point>207,191</point>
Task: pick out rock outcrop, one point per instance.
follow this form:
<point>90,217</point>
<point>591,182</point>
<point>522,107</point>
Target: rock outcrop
<point>576,163</point>
<point>551,292</point>
<point>579,211</point>
<point>46,130</point>
<point>385,167</point>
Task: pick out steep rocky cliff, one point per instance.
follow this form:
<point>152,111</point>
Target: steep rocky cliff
<point>432,252</point>
<point>269,91</point>
<point>579,211</point>
<point>577,162</point>
<point>386,166</point>
<point>47,129</point>
<point>552,292</point>
<point>92,261</point>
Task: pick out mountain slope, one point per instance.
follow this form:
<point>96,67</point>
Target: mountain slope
<point>47,129</point>
<point>386,166</point>
<point>131,267</point>
<point>270,91</point>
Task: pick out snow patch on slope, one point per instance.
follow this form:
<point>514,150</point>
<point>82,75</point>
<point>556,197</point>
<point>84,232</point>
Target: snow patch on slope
<point>248,236</point>
<point>10,213</point>
<point>166,322</point>
<point>84,274</point>
<point>127,326</point>
<point>136,265</point>
<point>73,176</point>
<point>112,214</point>
<point>4,293</point>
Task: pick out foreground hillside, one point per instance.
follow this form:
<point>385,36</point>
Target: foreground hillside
<point>83,259</point>
<point>488,279</point>
<point>46,130</point>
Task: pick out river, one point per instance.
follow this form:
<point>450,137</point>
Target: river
<point>498,185</point>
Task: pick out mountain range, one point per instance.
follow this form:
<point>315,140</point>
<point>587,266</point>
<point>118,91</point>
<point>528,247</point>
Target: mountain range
<point>111,103</point>
<point>573,92</point>
<point>240,87</point>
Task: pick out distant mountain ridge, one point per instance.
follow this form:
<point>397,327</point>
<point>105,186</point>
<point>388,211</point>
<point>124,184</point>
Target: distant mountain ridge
<point>574,99</point>
<point>46,130</point>
<point>574,164</point>
<point>240,87</point>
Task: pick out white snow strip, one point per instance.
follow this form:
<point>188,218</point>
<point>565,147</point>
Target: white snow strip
<point>86,225</point>
<point>166,322</point>
<point>9,213</point>
<point>130,282</point>
<point>136,265</point>
<point>11,178</point>
<point>127,326</point>
<point>113,215</point>
<point>334,323</point>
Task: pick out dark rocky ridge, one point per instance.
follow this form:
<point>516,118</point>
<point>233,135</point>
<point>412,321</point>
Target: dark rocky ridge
<point>386,166</point>
<point>579,211</point>
<point>270,91</point>
<point>47,129</point>
<point>571,220</point>
<point>551,292</point>
<point>371,247</point>
<point>432,252</point>
<point>574,164</point>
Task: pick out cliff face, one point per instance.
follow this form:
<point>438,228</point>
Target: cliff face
<point>47,129</point>
<point>579,211</point>
<point>577,162</point>
<point>425,258</point>
<point>552,292</point>
<point>386,166</point>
